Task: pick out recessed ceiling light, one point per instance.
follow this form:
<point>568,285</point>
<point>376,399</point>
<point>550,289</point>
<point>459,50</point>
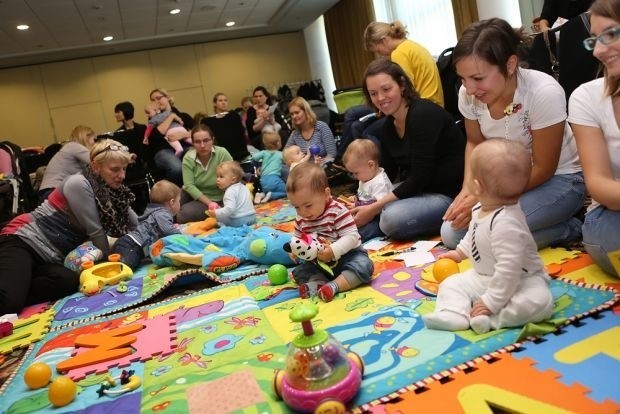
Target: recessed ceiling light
<point>108,38</point>
<point>175,11</point>
<point>230,24</point>
<point>23,27</point>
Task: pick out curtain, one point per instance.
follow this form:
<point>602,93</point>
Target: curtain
<point>344,27</point>
<point>465,13</point>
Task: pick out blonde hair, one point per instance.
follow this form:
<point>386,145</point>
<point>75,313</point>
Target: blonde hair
<point>287,153</point>
<point>82,134</point>
<point>502,166</point>
<point>151,105</point>
<point>163,92</point>
<point>102,152</point>
<point>362,149</point>
<point>302,104</point>
<point>272,141</point>
<point>247,99</point>
<point>164,191</point>
<point>233,167</point>
<point>307,176</point>
<point>377,31</point>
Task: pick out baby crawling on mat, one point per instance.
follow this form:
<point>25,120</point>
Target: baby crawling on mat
<point>318,213</point>
<point>508,285</point>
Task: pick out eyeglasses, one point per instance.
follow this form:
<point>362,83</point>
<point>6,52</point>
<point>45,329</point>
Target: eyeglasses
<point>112,147</point>
<point>157,98</point>
<point>606,38</point>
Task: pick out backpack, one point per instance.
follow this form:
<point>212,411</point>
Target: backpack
<point>450,83</point>
<point>27,198</point>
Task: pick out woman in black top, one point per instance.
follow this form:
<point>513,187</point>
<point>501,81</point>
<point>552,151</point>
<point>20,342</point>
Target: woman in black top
<point>422,149</point>
<point>254,124</point>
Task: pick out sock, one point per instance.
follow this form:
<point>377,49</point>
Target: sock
<point>308,289</point>
<point>445,321</point>
<point>266,198</point>
<point>257,197</point>
<point>328,291</point>
<point>481,324</point>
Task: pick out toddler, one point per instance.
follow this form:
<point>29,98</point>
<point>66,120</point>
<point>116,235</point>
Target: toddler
<point>508,285</point>
<point>361,159</point>
<point>332,224</point>
<point>293,156</point>
<point>175,132</point>
<point>238,208</point>
<point>156,222</point>
<point>271,182</point>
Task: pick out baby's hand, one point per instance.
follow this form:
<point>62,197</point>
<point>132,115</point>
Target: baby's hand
<point>479,308</point>
<point>452,254</point>
<point>211,213</point>
<point>326,254</point>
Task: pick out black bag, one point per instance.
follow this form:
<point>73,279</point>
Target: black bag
<point>450,83</point>
<point>27,195</point>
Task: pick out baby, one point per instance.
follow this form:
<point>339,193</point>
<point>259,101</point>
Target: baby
<point>508,285</point>
<point>271,125</point>
<point>156,222</point>
<point>175,132</point>
<point>361,159</point>
<point>293,156</point>
<point>238,208</point>
<point>318,213</point>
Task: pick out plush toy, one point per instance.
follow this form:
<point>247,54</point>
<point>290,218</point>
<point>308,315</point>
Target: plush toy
<point>306,247</point>
<point>86,252</point>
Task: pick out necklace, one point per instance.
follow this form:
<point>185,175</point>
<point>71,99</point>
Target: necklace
<point>511,108</point>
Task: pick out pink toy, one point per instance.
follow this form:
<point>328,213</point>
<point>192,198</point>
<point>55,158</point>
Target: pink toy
<point>6,329</point>
<point>320,376</point>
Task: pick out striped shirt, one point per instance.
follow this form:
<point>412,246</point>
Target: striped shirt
<point>335,227</point>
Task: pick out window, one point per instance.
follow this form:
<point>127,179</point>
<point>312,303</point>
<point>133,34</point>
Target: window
<point>430,23</point>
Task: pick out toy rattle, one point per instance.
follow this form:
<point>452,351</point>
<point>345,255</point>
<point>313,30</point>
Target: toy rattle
<point>306,247</point>
<point>95,276</point>
<point>320,376</point>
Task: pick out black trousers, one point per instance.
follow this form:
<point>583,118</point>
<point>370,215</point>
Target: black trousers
<point>25,279</point>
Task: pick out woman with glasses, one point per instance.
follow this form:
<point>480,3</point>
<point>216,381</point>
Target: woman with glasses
<point>159,150</point>
<point>89,206</point>
<point>594,115</point>
<point>199,175</point>
<point>500,99</point>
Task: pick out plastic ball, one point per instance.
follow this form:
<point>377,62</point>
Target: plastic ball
<point>62,391</point>
<point>37,375</point>
<point>277,274</point>
<point>443,268</point>
<point>315,149</point>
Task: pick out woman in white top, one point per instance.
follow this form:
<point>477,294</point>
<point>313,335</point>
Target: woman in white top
<point>499,99</point>
<point>594,114</point>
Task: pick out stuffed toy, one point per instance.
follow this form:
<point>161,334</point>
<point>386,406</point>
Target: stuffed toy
<point>86,252</point>
<point>306,247</point>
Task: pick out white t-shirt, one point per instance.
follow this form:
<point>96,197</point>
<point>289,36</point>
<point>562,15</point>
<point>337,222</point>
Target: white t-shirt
<point>543,103</point>
<point>237,203</point>
<point>374,189</point>
<point>589,106</point>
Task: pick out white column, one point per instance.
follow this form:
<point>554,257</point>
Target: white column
<point>504,9</point>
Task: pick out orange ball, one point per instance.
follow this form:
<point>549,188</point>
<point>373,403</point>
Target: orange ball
<point>37,375</point>
<point>62,391</point>
<point>443,268</point>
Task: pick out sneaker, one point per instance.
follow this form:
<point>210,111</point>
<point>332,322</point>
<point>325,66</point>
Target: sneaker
<point>266,198</point>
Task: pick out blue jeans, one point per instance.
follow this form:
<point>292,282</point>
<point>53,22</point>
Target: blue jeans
<point>408,218</point>
<point>549,211</point>
<point>171,164</point>
<point>601,236</point>
<point>355,262</point>
<point>238,221</point>
<point>273,184</point>
<point>353,128</point>
<point>131,252</point>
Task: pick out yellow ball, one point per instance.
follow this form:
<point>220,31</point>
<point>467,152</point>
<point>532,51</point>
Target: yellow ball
<point>62,391</point>
<point>443,268</point>
<point>37,375</point>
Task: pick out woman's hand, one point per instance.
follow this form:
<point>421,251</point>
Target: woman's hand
<point>459,212</point>
<point>363,214</point>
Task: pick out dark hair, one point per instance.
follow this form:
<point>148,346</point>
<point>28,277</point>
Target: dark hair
<point>126,108</point>
<point>492,40</point>
<point>395,72</point>
<point>202,127</point>
<point>265,92</point>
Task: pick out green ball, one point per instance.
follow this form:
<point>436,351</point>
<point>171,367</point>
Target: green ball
<point>277,274</point>
<point>258,247</point>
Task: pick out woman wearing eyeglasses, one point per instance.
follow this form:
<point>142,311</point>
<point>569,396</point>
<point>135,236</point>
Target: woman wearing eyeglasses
<point>159,150</point>
<point>594,115</point>
<point>199,175</point>
<point>500,99</point>
<point>91,206</point>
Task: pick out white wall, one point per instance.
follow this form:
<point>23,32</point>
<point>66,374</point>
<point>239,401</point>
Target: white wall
<point>318,56</point>
<point>504,9</point>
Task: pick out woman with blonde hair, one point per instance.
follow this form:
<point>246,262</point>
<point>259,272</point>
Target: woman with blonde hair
<point>72,158</point>
<point>88,206</point>
<point>309,131</point>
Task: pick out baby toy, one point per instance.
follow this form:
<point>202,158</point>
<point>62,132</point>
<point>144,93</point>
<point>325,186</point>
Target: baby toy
<point>277,274</point>
<point>314,150</point>
<point>443,268</point>
<point>95,276</point>
<point>307,248</point>
<point>86,252</point>
<point>37,375</point>
<point>320,376</point>
<point>62,391</point>
<point>128,382</point>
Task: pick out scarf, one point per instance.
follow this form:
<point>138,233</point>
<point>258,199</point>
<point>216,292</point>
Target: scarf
<point>112,205</point>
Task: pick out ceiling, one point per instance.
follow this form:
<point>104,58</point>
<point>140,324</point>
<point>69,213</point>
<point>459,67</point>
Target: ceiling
<point>70,29</point>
